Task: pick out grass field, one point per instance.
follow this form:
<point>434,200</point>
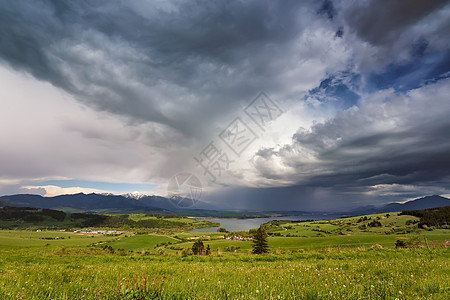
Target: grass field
<point>25,239</point>
<point>352,232</point>
<point>89,273</point>
<point>310,260</point>
<point>360,225</point>
<point>142,242</point>
<point>316,243</point>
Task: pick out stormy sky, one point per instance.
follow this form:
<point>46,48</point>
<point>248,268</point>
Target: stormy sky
<point>338,103</point>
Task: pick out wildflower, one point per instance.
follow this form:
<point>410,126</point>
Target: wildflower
<point>257,291</point>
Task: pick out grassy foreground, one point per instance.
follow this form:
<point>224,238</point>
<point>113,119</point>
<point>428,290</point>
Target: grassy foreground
<point>91,273</point>
<point>347,258</point>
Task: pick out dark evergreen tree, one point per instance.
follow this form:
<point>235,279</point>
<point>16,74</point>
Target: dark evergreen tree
<point>260,241</point>
<point>208,250</point>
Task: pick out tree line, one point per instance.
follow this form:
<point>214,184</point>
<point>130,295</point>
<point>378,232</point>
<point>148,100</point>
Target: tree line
<point>438,217</point>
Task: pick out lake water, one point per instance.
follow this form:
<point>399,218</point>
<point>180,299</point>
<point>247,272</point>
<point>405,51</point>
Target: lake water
<point>246,224</point>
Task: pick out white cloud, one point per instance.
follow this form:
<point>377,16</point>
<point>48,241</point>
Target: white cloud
<point>52,190</point>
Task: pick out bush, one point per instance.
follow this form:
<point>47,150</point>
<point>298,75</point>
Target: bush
<point>121,252</point>
<point>186,251</point>
<point>374,223</point>
<point>376,247</point>
<point>198,248</point>
<point>400,244</point>
<point>231,248</point>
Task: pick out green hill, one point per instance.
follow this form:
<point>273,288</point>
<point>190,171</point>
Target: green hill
<point>28,217</point>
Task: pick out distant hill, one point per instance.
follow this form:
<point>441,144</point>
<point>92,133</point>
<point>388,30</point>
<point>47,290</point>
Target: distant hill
<point>110,203</point>
<point>154,201</point>
<point>103,203</point>
<point>28,217</point>
<point>84,202</point>
<point>421,203</point>
<point>417,204</point>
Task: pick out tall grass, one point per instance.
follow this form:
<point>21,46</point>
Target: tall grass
<point>77,273</point>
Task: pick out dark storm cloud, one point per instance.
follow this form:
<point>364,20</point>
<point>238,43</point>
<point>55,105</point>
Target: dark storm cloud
<point>381,22</point>
<point>197,58</point>
<point>177,71</point>
<point>294,197</point>
<point>327,9</point>
<point>392,140</point>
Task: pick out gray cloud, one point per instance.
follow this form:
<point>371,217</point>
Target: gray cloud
<point>149,63</point>
<point>390,139</point>
<point>161,79</point>
<point>382,22</point>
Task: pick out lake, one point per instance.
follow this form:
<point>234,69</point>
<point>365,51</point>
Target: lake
<point>246,224</point>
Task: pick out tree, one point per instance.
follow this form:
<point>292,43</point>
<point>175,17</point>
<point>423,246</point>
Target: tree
<point>198,247</point>
<point>208,250</point>
<point>260,241</point>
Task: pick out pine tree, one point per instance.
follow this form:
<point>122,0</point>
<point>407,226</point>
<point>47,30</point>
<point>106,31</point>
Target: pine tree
<point>208,250</point>
<point>260,241</point>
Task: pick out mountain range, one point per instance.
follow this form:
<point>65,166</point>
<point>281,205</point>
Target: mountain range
<point>89,202</point>
<point>416,204</point>
<point>143,203</point>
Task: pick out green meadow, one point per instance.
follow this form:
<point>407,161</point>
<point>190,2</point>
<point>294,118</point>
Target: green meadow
<point>90,273</point>
<point>16,239</point>
<point>337,259</point>
<point>285,236</point>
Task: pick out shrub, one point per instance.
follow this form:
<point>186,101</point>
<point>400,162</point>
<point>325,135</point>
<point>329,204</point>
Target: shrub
<point>231,248</point>
<point>121,252</point>
<point>400,244</point>
<point>198,248</point>
<point>374,223</point>
<point>186,251</point>
<point>376,247</point>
